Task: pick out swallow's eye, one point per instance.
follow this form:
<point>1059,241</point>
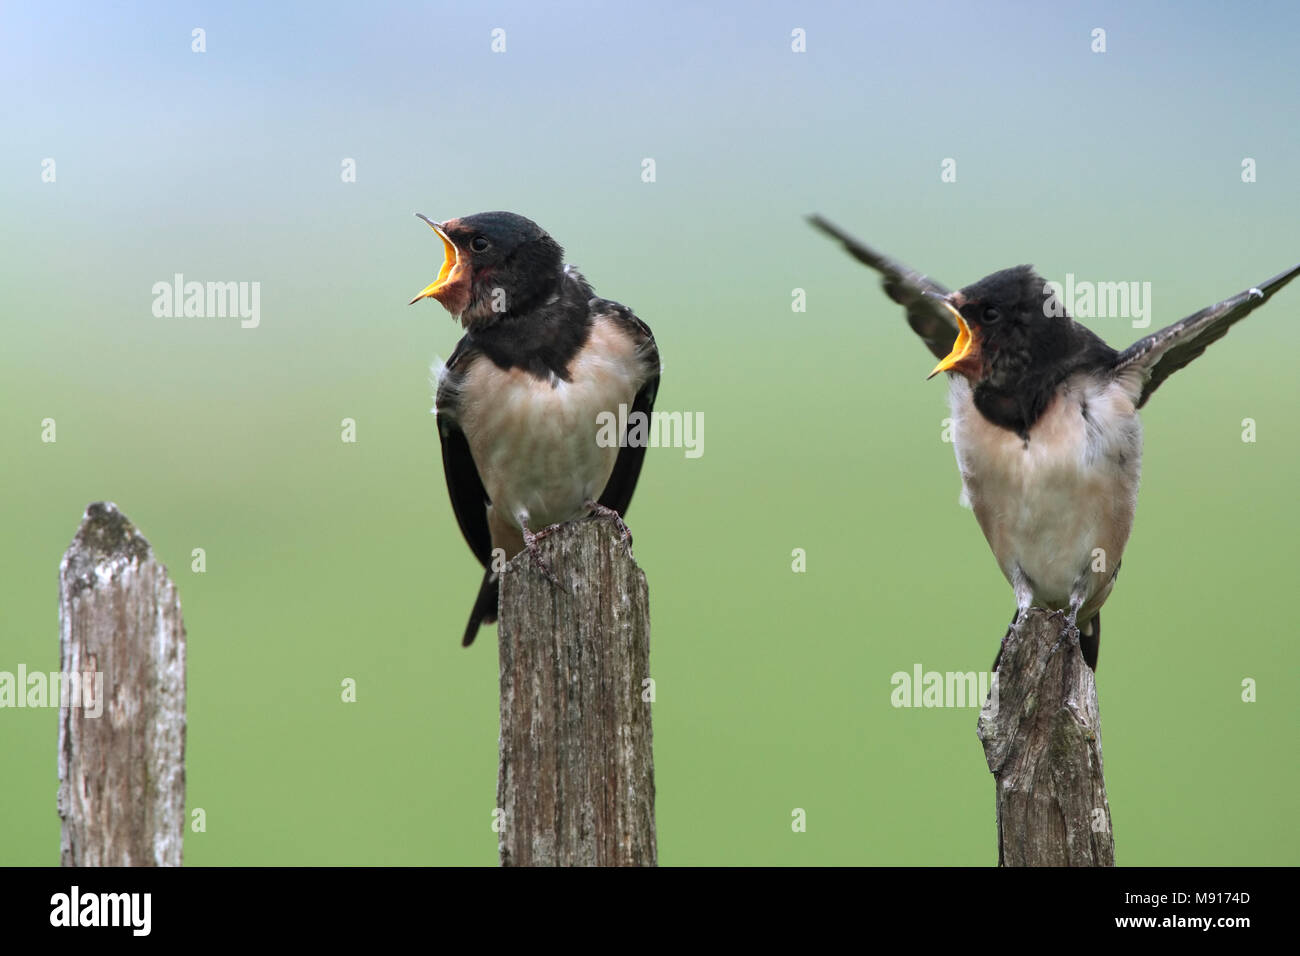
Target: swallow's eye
<point>479,244</point>
<point>990,314</point>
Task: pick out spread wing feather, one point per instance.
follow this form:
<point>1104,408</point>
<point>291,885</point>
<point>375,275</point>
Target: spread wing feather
<point>909,288</point>
<point>1162,353</point>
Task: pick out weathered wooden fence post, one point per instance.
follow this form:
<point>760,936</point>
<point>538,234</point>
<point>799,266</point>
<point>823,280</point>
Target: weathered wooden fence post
<point>1041,731</point>
<point>576,780</point>
<point>121,756</point>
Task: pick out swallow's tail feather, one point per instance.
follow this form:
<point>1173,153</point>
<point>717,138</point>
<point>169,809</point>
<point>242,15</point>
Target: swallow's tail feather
<point>1090,640</point>
<point>485,606</point>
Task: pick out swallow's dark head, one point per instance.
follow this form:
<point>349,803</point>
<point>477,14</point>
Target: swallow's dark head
<point>1010,325</point>
<point>494,264</point>
<point>1015,344</point>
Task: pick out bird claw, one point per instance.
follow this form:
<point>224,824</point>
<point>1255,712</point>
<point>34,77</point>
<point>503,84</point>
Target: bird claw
<point>532,537</point>
<point>1069,632</point>
<point>535,555</point>
<point>625,533</point>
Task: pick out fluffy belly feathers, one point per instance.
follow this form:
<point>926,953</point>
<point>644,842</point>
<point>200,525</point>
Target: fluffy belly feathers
<point>534,441</point>
<point>1058,507</point>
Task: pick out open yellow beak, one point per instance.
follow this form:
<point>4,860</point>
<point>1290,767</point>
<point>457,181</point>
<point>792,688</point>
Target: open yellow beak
<point>451,257</point>
<point>961,348</point>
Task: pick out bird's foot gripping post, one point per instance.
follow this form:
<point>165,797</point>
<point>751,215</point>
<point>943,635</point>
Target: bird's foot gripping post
<point>576,779</point>
<point>600,511</point>
<point>1041,731</point>
<point>1069,630</point>
<point>532,548</point>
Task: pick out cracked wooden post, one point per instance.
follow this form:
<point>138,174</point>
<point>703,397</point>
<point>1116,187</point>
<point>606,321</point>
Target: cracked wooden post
<point>122,752</point>
<point>576,780</point>
<point>1041,731</point>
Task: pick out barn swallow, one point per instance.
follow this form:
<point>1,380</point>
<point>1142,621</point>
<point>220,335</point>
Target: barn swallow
<point>1045,422</point>
<point>519,401</point>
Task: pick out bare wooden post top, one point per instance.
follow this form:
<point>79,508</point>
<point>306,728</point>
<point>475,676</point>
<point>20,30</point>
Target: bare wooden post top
<point>122,738</point>
<point>1041,731</point>
<point>576,783</point>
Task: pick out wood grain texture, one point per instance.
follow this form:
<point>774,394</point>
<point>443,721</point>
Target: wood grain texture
<point>122,773</point>
<point>576,780</point>
<point>1041,730</point>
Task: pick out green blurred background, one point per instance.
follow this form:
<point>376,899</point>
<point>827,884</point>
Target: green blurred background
<point>328,560</point>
